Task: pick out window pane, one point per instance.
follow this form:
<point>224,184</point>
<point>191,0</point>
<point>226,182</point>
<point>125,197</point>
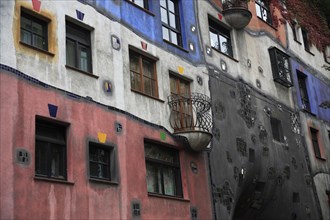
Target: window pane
<point>258,10</point>
<point>166,35</point>
<point>172,20</point>
<point>26,37</point>
<point>164,15</point>
<point>147,86</point>
<point>163,3</point>
<point>37,28</point>
<point>135,81</point>
<point>171,6</point>
<point>38,42</point>
<point>214,40</point>
<point>169,181</point>
<point>173,85</point>
<point>26,23</point>
<point>148,68</point>
<point>159,153</point>
<point>134,63</point>
<point>223,45</point>
<point>153,179</point>
<point>41,158</point>
<point>174,37</point>
<point>70,53</point>
<point>83,58</point>
<point>139,3</point>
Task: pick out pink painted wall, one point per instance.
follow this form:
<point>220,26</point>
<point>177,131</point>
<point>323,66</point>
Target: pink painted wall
<point>24,197</point>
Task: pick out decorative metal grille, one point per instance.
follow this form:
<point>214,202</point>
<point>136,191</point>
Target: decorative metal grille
<point>234,4</point>
<point>190,113</point>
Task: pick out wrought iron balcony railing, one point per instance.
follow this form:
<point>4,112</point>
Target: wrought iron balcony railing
<point>236,13</point>
<point>190,113</point>
<point>235,4</point>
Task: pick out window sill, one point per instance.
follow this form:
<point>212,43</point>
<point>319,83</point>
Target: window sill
<point>36,48</point>
<point>232,58</point>
<point>307,111</point>
<point>143,9</point>
<point>177,46</point>
<point>309,52</point>
<point>168,197</point>
<point>270,25</point>
<point>81,71</point>
<point>103,181</point>
<point>38,178</point>
<point>320,158</point>
<point>149,96</point>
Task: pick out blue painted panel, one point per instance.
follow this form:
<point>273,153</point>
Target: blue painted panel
<point>149,26</point>
<point>318,91</point>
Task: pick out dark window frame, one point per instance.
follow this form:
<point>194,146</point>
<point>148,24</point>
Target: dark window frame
<point>315,142</point>
<point>154,80</point>
<point>167,25</point>
<point>264,7</point>
<point>161,166</point>
<point>80,38</point>
<point>305,38</point>
<point>43,157</point>
<point>34,20</point>
<point>278,60</point>
<point>277,130</point>
<point>111,170</point>
<point>302,84</point>
<point>221,31</point>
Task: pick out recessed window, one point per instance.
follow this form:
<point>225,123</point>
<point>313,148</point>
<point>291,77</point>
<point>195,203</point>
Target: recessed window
<point>101,161</point>
<point>181,116</point>
<point>302,80</point>
<point>163,170</point>
<point>263,12</point>
<point>169,10</point>
<point>141,3</point>
<point>143,74</point>
<point>220,38</point>
<point>280,67</point>
<point>276,129</point>
<point>315,142</point>
<point>305,39</point>
<point>34,31</point>
<point>78,47</point>
<point>50,149</point>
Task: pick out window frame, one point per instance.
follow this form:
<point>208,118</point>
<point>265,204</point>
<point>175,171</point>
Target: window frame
<point>263,6</point>
<point>181,111</point>
<point>112,168</point>
<point>302,84</point>
<point>81,38</point>
<point>154,79</point>
<point>277,130</point>
<point>49,142</point>
<point>305,38</point>
<point>275,55</point>
<point>220,30</point>
<point>145,3</point>
<point>168,26</point>
<point>36,20</point>
<point>315,142</point>
<point>161,166</point>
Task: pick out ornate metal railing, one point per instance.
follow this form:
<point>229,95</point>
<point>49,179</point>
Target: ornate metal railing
<point>190,113</point>
<point>234,4</point>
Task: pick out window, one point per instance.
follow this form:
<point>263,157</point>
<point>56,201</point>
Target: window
<point>315,143</point>
<point>276,129</point>
<point>220,38</point>
<point>280,67</point>
<point>163,170</point>
<point>182,113</point>
<point>78,47</point>
<point>141,3</point>
<point>303,91</point>
<point>34,31</point>
<point>50,149</point>
<point>143,74</point>
<point>263,12</point>
<point>169,10</point>
<point>101,162</point>
<point>305,39</point>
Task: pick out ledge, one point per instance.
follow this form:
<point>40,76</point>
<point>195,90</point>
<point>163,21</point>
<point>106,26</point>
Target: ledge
<point>109,182</point>
<point>38,178</point>
<point>149,96</point>
<point>297,41</point>
<point>38,49</point>
<point>168,197</point>
<point>141,8</point>
<point>177,46</point>
<point>81,71</point>
<point>232,58</point>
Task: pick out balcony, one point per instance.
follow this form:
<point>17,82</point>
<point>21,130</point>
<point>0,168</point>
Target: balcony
<point>191,120</point>
<point>236,13</point>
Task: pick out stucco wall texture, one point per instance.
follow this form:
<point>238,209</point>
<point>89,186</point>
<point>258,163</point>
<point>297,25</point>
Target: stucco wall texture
<point>25,197</point>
